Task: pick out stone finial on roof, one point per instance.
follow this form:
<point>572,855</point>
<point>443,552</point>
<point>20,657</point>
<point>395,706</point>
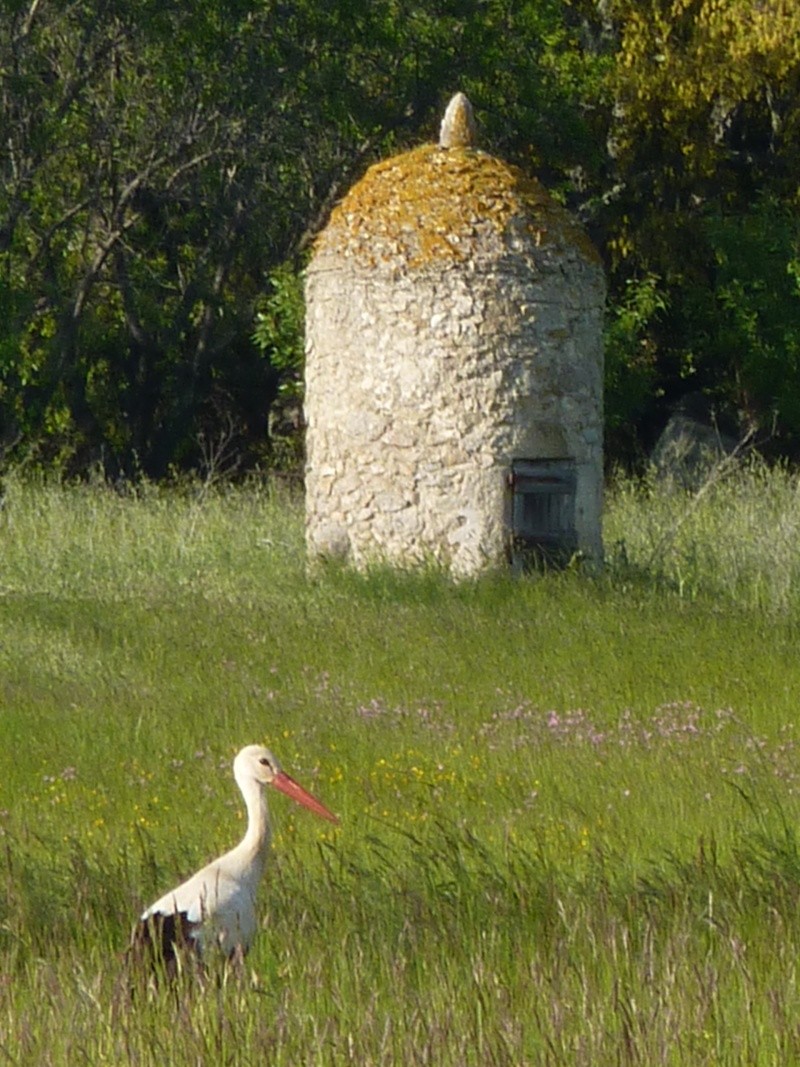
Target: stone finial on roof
<point>458,125</point>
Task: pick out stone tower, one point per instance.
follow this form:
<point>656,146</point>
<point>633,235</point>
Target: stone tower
<point>453,366</point>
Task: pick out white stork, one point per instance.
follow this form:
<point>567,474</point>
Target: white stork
<point>215,908</point>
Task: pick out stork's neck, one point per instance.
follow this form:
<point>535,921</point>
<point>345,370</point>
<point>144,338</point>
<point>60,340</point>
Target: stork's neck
<point>256,840</point>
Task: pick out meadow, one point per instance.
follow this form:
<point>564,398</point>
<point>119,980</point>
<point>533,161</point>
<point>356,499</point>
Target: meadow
<point>569,802</point>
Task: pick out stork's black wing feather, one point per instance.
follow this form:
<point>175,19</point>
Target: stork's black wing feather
<point>161,940</point>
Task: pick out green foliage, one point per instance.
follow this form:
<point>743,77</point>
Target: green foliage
<point>630,359</point>
<point>279,327</point>
<point>730,330</point>
<point>158,170</point>
<point>161,167</point>
<point>703,149</point>
<point>749,339</point>
<point>279,334</point>
<point>133,258</point>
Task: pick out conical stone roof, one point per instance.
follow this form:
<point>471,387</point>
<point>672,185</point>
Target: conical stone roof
<point>432,206</point>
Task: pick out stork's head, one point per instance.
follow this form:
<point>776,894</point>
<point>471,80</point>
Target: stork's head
<point>256,763</point>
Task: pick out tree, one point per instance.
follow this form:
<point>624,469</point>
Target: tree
<point>120,215</point>
<point>705,150</point>
<point>163,163</point>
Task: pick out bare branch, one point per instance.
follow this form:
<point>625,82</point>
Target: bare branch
<point>28,21</point>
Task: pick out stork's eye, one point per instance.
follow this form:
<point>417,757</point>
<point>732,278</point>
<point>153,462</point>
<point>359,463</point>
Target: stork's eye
<point>264,762</point>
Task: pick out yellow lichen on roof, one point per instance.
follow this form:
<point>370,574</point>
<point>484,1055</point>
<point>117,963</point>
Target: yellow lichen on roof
<point>443,204</point>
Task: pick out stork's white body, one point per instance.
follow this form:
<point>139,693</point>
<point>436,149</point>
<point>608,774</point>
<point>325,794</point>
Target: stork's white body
<point>215,909</point>
<point>219,902</point>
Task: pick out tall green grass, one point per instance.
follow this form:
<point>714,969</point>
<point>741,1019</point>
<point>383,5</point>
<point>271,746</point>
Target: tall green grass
<point>736,539</point>
<point>569,803</point>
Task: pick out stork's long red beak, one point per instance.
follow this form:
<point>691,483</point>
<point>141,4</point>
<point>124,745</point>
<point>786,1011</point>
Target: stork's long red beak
<point>286,784</point>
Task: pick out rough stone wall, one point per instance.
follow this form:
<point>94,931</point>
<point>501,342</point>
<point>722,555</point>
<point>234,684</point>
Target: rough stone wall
<point>423,385</point>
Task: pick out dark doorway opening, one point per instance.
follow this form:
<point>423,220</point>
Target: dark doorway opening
<point>542,513</point>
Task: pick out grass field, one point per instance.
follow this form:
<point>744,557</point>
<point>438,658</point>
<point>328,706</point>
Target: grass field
<point>569,805</point>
